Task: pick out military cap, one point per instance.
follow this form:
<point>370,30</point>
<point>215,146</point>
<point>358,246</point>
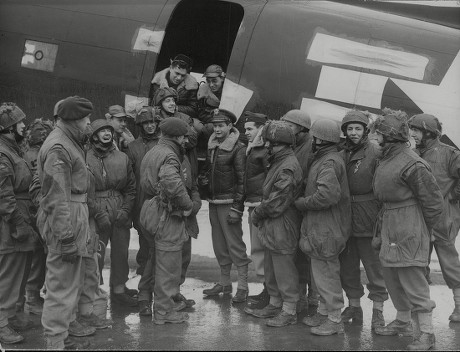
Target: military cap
<point>74,108</point>
<point>221,115</point>
<point>213,71</point>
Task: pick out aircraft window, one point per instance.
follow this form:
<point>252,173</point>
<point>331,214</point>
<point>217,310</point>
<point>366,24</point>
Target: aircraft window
<point>39,55</point>
<point>204,30</point>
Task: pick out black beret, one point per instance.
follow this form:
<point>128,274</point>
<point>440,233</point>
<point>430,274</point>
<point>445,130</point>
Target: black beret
<point>74,108</point>
<point>174,126</point>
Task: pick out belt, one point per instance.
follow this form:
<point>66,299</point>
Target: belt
<point>108,193</point>
<point>362,197</point>
<point>22,196</point>
<point>79,197</point>
<point>401,204</point>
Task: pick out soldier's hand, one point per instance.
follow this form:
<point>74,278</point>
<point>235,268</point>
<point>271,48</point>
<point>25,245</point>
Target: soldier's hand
<point>23,232</point>
<point>234,216</point>
<point>300,204</point>
<point>103,223</point>
<point>123,219</point>
<point>69,250</point>
<point>255,219</point>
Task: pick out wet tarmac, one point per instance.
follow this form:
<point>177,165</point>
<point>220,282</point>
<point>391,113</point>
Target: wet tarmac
<point>217,324</point>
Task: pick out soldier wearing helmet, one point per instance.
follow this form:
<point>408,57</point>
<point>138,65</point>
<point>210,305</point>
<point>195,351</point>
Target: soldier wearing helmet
<point>147,119</point>
<point>360,156</point>
<point>279,224</point>
<point>300,122</point>
<point>222,179</point>
<point>18,237</point>
<point>115,192</point>
<point>445,164</point>
<point>326,225</point>
<point>412,206</point>
<point>177,76</point>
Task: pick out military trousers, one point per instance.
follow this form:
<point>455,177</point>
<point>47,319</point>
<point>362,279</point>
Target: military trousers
<point>257,249</point>
<point>448,261</point>
<point>36,278</point>
<point>167,277</point>
<point>359,249</point>
<point>227,239</point>
<point>119,246</point>
<point>142,255</point>
<point>89,285</point>
<point>63,288</point>
<point>12,270</point>
<point>281,277</point>
<point>147,281</point>
<point>408,289</point>
<point>326,275</point>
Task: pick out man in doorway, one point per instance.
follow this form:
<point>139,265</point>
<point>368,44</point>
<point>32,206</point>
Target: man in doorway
<point>177,76</point>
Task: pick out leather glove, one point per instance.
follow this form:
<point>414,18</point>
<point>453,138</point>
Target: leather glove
<point>234,216</point>
<point>300,204</point>
<point>203,180</point>
<point>23,232</point>
<point>376,242</point>
<point>69,250</point>
<point>123,219</point>
<point>103,223</point>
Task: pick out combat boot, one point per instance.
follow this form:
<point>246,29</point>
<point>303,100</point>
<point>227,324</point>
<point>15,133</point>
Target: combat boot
<point>178,306</point>
<point>94,321</point>
<point>455,316</point>
<point>218,288</point>
<point>424,342</point>
<point>123,299</point>
<point>172,317</point>
<point>269,311</point>
<point>282,319</point>
<point>9,336</point>
<point>71,344</point>
<point>328,328</point>
<point>315,320</point>
<point>34,303</point>
<point>20,324</point>
<point>355,314</point>
<point>240,296</point>
<point>78,330</point>
<point>396,327</point>
<point>145,308</point>
<point>179,297</point>
<point>377,319</point>
<point>259,301</point>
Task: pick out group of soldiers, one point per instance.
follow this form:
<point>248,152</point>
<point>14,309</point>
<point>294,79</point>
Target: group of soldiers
<point>318,205</point>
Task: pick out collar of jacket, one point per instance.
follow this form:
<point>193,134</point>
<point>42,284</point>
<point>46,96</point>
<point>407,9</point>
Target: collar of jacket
<point>171,143</point>
<point>73,133</point>
<point>228,144</point>
<point>279,156</point>
<point>11,144</point>
<point>355,151</point>
<point>429,144</point>
<point>160,78</point>
<point>257,142</point>
<point>325,150</point>
<point>100,150</point>
<point>149,137</point>
<point>392,149</point>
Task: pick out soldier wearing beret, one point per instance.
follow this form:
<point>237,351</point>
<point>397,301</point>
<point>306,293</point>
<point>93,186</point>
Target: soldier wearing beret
<point>223,178</point>
<point>63,219</point>
<point>163,183</point>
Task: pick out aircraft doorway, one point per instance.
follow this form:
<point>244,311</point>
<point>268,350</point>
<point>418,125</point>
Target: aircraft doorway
<point>205,30</point>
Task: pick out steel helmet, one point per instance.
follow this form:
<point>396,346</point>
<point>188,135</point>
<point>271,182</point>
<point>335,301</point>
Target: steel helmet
<point>326,130</point>
<point>99,124</point>
<point>426,122</point>
<point>278,132</point>
<point>299,117</point>
<point>38,131</point>
<point>147,113</point>
<point>10,114</point>
<point>163,93</point>
<point>354,116</point>
<point>393,125</point>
